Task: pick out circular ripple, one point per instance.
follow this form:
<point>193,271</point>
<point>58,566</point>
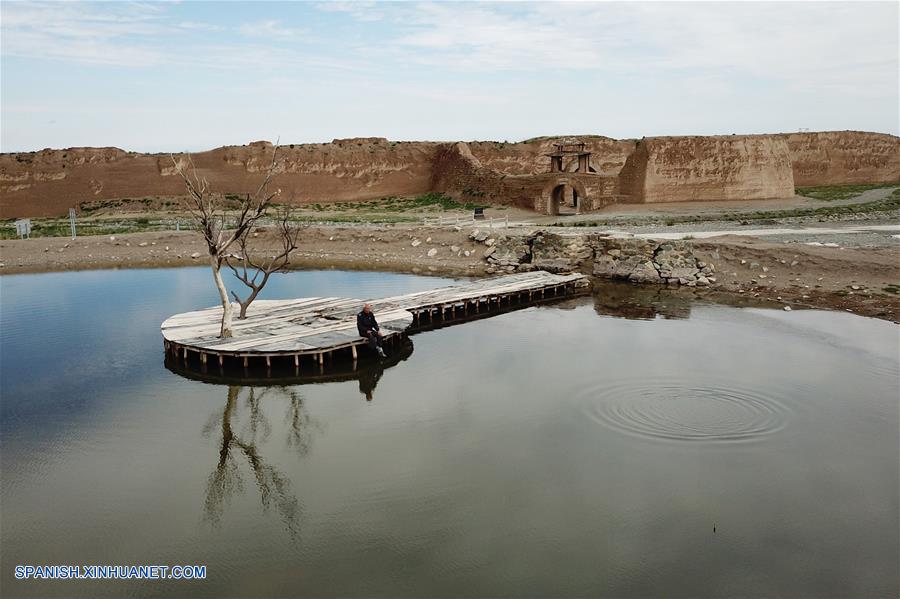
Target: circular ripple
<point>679,411</point>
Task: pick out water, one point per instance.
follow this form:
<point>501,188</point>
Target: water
<point>583,449</point>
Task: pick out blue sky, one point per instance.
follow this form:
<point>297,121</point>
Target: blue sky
<point>169,76</point>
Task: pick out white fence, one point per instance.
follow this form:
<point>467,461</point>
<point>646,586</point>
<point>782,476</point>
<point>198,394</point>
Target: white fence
<point>466,221</point>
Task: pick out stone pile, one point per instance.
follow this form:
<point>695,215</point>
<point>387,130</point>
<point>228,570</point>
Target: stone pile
<point>649,261</point>
<point>638,260</point>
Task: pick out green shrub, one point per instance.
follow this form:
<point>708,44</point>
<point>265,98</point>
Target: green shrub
<point>840,192</point>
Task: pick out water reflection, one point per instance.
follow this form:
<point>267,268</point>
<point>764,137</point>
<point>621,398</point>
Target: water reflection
<point>239,448</point>
<point>641,302</point>
<point>242,427</point>
<point>551,452</point>
<point>368,380</point>
<point>366,370</point>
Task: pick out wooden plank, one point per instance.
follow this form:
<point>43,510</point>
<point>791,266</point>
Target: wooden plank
<point>323,324</point>
<point>212,316</point>
<point>296,334</point>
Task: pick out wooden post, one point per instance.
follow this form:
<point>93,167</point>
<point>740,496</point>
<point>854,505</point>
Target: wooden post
<point>353,351</point>
<point>269,362</point>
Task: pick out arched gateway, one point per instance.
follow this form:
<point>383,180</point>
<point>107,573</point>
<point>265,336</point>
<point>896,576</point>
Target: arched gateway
<point>564,195</point>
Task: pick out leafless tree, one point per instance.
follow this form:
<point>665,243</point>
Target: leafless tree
<point>254,272</point>
<point>209,211</point>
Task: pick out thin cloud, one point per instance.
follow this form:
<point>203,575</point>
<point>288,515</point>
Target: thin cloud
<point>132,35</point>
<point>360,11</point>
<point>270,28</point>
<point>443,70</point>
<point>198,26</point>
<point>791,42</point>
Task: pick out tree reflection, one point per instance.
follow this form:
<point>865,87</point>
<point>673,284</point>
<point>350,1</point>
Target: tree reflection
<point>299,424</point>
<point>243,426</point>
<point>241,448</point>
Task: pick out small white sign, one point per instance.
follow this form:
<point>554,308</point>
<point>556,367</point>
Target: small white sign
<point>23,227</point>
<point>72,221</point>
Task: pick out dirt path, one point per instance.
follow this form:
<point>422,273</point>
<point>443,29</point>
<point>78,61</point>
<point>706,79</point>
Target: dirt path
<point>711,210</point>
<point>363,247</point>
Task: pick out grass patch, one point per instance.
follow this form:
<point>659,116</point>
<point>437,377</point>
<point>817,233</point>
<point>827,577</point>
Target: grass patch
<point>839,192</point>
<point>61,228</point>
<point>384,219</point>
<point>888,204</point>
<point>428,201</point>
<point>439,199</point>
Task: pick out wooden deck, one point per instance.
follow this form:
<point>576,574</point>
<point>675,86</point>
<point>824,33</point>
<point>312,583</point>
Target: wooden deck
<point>317,327</point>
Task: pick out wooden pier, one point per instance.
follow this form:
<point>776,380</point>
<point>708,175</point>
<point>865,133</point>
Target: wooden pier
<point>318,329</point>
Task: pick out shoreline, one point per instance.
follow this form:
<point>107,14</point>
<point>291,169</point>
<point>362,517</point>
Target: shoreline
<point>864,281</point>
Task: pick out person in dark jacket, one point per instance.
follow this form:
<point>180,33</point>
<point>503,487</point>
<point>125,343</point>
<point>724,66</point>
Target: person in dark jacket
<point>368,328</point>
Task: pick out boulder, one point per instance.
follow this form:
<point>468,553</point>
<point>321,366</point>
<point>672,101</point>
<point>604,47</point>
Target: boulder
<point>644,272</point>
<point>604,266</point>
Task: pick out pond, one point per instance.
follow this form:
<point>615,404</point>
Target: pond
<point>633,443</point>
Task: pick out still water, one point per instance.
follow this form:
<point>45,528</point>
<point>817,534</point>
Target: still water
<point>637,443</point>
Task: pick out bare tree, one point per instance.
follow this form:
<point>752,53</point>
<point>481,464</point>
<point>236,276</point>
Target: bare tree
<point>209,211</point>
<point>255,272</point>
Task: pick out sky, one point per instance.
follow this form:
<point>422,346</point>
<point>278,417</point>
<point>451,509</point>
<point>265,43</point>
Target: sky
<point>173,76</point>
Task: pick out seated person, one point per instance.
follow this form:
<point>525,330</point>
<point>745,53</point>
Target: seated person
<point>368,328</point>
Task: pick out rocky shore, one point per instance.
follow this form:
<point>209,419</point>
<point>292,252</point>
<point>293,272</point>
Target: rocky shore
<point>865,281</point>
<point>637,260</point>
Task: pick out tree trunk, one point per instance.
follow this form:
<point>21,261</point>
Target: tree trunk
<point>246,304</point>
<point>225,332</point>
